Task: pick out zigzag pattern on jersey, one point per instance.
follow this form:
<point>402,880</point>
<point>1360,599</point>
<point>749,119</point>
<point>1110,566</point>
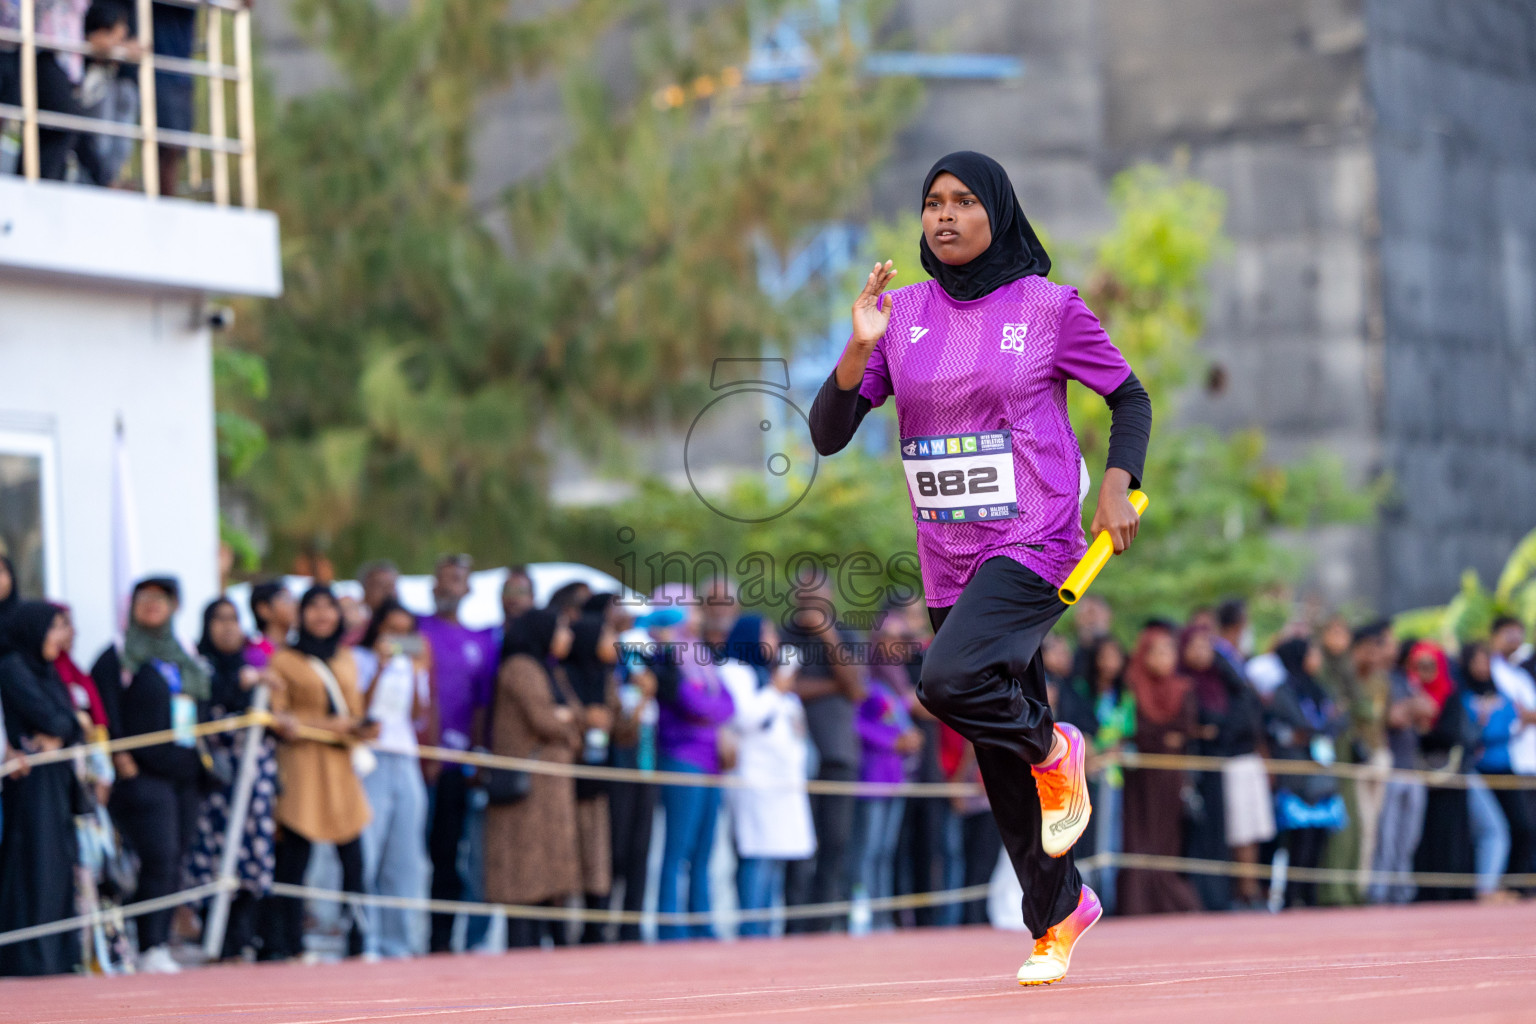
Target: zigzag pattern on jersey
<point>957,379</point>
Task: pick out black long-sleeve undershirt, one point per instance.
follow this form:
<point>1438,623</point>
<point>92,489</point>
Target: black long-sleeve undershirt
<point>836,415</point>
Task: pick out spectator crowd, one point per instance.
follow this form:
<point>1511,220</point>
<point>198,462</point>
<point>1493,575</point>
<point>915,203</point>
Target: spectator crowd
<point>701,685</point>
<point>102,83</point>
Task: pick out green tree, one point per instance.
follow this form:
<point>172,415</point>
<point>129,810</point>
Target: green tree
<point>428,356</point>
<point>1469,614</point>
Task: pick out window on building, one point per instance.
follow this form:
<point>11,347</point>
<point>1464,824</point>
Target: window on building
<point>28,519</point>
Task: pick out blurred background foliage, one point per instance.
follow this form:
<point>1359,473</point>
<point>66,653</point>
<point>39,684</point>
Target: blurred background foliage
<point>429,355</point>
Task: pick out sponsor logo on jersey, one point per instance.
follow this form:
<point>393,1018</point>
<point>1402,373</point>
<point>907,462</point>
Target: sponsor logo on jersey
<point>981,513</point>
<point>1013,337</point>
<point>917,333</point>
<point>959,514</point>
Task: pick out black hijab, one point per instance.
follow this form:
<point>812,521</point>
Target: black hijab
<point>584,666</point>
<point>1015,252</point>
<point>1483,687</point>
<point>322,647</point>
<point>533,633</point>
<point>1293,655</point>
<point>9,603</point>
<point>26,627</point>
<point>223,668</point>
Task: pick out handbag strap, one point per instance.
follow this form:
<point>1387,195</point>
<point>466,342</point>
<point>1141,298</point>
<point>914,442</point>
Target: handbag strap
<point>332,688</point>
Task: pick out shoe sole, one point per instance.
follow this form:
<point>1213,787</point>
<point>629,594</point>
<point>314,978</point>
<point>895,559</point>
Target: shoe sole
<point>1086,927</point>
<point>1079,761</point>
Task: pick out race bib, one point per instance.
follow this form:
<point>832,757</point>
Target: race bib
<point>961,478</point>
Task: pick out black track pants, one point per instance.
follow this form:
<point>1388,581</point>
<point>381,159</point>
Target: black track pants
<point>984,679</point>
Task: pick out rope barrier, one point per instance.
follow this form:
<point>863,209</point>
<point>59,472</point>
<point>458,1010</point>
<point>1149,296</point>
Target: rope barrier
<point>1442,778</point>
<point>1152,862</point>
<point>69,924</point>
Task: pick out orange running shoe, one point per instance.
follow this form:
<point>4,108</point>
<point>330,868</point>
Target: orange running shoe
<point>1053,952</point>
<point>1063,789</point>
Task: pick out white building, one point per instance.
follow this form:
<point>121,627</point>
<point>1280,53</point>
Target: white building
<point>103,320</point>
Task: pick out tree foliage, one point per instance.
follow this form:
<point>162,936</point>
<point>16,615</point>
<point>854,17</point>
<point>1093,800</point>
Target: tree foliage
<point>1469,614</point>
<point>430,357</point>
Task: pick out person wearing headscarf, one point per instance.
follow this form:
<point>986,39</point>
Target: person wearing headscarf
<point>154,685</point>
<point>38,850</point>
<point>321,799</point>
<point>10,598</point>
<point>532,853</point>
<point>1305,724</point>
<point>233,681</point>
<point>1448,746</point>
<point>1234,806</point>
<point>1114,716</point>
<point>977,360</point>
<point>1166,723</point>
<point>590,669</point>
<point>771,815</point>
<point>695,705</point>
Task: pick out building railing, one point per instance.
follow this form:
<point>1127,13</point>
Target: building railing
<point>216,142</point>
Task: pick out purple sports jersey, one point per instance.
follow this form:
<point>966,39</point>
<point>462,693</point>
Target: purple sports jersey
<point>991,374</point>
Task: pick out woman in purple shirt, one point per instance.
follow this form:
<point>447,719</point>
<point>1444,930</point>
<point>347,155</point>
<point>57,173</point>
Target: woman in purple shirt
<point>694,704</point>
<point>888,739</point>
<point>978,360</point>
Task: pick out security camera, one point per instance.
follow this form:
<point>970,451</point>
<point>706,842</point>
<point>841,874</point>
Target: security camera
<point>219,318</point>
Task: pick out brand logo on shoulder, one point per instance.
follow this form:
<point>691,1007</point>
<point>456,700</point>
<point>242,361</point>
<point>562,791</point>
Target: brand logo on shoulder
<point>917,334</point>
<point>1013,337</point>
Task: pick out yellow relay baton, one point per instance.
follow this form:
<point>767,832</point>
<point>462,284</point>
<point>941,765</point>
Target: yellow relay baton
<point>1097,557</point>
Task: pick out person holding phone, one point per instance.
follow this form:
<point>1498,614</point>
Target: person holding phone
<point>394,671</point>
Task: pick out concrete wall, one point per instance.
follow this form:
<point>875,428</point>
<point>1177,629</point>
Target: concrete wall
<point>103,319</point>
<point>1453,85</point>
<point>72,360</point>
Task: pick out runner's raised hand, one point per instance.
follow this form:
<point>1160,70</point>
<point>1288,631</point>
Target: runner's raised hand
<point>869,324</point>
<point>869,319</point>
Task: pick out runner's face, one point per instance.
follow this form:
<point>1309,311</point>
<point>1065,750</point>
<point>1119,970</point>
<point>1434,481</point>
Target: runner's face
<point>955,223</point>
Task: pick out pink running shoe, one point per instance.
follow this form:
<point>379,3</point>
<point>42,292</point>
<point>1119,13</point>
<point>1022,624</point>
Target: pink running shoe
<point>1063,789</point>
<point>1053,952</point>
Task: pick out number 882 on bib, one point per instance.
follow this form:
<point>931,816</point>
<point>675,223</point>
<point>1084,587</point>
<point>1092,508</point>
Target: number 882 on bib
<point>961,478</point>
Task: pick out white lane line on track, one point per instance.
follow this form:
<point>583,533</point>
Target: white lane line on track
<point>352,1014</point>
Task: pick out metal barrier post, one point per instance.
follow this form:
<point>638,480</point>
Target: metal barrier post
<point>245,107</point>
<point>216,126</point>
<point>234,832</point>
<point>149,151</point>
<point>31,159</point>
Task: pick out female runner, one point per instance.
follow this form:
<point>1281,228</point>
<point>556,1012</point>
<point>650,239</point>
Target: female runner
<point>977,360</point>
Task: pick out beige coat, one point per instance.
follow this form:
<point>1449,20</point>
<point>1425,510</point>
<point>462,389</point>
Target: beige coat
<point>531,850</point>
<point>322,798</point>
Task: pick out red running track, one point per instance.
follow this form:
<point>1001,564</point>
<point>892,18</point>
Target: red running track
<point>1419,964</point>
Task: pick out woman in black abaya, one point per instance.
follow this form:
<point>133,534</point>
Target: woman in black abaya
<point>38,852</point>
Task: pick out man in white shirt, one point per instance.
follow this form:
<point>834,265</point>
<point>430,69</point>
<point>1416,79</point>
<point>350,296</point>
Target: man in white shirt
<point>1516,684</point>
